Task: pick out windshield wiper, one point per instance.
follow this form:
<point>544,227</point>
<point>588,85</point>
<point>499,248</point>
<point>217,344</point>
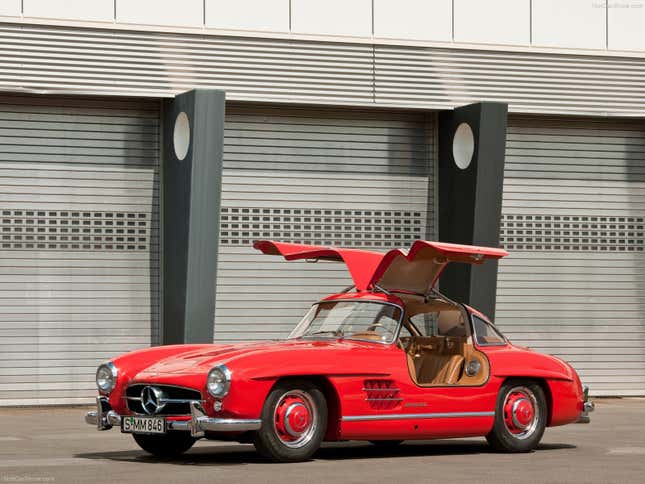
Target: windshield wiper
<point>338,333</point>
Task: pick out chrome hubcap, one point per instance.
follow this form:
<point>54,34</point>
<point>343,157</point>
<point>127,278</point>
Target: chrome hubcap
<point>521,414</point>
<point>295,419</point>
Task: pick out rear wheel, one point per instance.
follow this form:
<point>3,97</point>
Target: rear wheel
<point>167,445</point>
<point>294,421</point>
<point>520,417</point>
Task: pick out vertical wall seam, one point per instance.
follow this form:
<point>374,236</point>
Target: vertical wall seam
<point>452,20</point>
<point>607,24</point>
<point>530,22</point>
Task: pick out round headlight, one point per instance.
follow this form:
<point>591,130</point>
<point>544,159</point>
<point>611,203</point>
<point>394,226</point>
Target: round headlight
<point>218,382</point>
<point>106,377</point>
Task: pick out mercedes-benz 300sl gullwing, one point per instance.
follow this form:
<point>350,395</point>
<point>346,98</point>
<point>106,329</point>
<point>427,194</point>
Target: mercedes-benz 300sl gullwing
<point>387,360</point>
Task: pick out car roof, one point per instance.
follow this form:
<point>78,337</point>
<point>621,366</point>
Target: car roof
<point>366,296</point>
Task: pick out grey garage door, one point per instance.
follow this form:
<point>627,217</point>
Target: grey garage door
<point>334,177</point>
<point>573,219</point>
<point>79,241</point>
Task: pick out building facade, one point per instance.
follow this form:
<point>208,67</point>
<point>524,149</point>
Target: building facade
<point>330,137</point>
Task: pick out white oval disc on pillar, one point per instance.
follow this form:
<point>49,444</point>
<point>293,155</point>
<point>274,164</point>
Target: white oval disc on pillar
<point>463,146</point>
<point>181,136</point>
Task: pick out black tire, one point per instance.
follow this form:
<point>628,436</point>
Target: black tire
<point>386,444</point>
<point>167,445</point>
<point>273,440</point>
<point>515,431</point>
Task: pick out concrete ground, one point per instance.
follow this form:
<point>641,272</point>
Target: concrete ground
<point>55,445</point>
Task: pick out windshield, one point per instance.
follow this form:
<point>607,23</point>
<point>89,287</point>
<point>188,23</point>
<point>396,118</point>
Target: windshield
<point>364,320</point>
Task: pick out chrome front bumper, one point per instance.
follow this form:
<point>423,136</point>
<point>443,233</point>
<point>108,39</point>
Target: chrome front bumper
<point>587,407</point>
<point>104,418</point>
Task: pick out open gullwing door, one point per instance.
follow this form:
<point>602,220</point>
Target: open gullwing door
<point>415,270</point>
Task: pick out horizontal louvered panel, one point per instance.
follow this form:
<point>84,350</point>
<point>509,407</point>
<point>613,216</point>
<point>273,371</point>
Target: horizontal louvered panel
<point>79,241</point>
<point>325,176</point>
<point>528,82</point>
<point>100,61</point>
<point>573,217</point>
<point>157,64</point>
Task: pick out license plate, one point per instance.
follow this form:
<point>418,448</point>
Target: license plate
<point>143,425</point>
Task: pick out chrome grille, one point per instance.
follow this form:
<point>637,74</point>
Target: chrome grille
<point>176,399</point>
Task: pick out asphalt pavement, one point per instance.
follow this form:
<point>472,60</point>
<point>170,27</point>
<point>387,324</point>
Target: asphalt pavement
<point>55,445</point>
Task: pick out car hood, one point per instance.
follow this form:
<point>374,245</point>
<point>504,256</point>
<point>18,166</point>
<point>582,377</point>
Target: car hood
<point>253,356</point>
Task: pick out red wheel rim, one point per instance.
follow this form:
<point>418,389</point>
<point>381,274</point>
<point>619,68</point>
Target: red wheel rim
<point>295,418</point>
<point>521,413</point>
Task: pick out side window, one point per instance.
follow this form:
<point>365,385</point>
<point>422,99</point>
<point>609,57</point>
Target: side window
<point>426,323</point>
<point>441,323</point>
<point>486,334</point>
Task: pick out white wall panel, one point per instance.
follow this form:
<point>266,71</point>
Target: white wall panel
<point>627,27</point>
<point>413,19</point>
<point>10,7</point>
<point>570,23</point>
<point>332,17</point>
<point>188,13</point>
<point>70,9</point>
<point>269,15</point>
<point>492,21</point>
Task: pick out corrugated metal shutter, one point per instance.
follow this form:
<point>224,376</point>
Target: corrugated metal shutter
<point>573,219</point>
<point>162,64</point>
<point>79,247</point>
<point>530,82</point>
<point>104,61</point>
<point>334,177</point>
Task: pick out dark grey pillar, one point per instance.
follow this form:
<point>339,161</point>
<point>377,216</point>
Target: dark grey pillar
<point>191,207</point>
<point>470,199</point>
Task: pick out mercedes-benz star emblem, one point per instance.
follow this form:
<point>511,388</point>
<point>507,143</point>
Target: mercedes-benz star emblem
<point>152,400</point>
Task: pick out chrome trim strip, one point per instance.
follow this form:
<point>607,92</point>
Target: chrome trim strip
<point>167,400</point>
<point>157,384</point>
<point>409,416</point>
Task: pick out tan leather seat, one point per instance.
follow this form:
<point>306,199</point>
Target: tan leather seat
<point>450,371</point>
<point>440,369</point>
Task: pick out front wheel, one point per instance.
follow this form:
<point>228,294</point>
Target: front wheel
<point>167,445</point>
<point>520,417</point>
<point>294,421</point>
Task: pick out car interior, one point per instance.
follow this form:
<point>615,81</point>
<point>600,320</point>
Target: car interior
<point>439,345</point>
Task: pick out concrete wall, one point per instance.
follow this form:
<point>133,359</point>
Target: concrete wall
<point>573,24</point>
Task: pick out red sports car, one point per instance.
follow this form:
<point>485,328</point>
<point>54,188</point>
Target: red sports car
<point>388,359</point>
